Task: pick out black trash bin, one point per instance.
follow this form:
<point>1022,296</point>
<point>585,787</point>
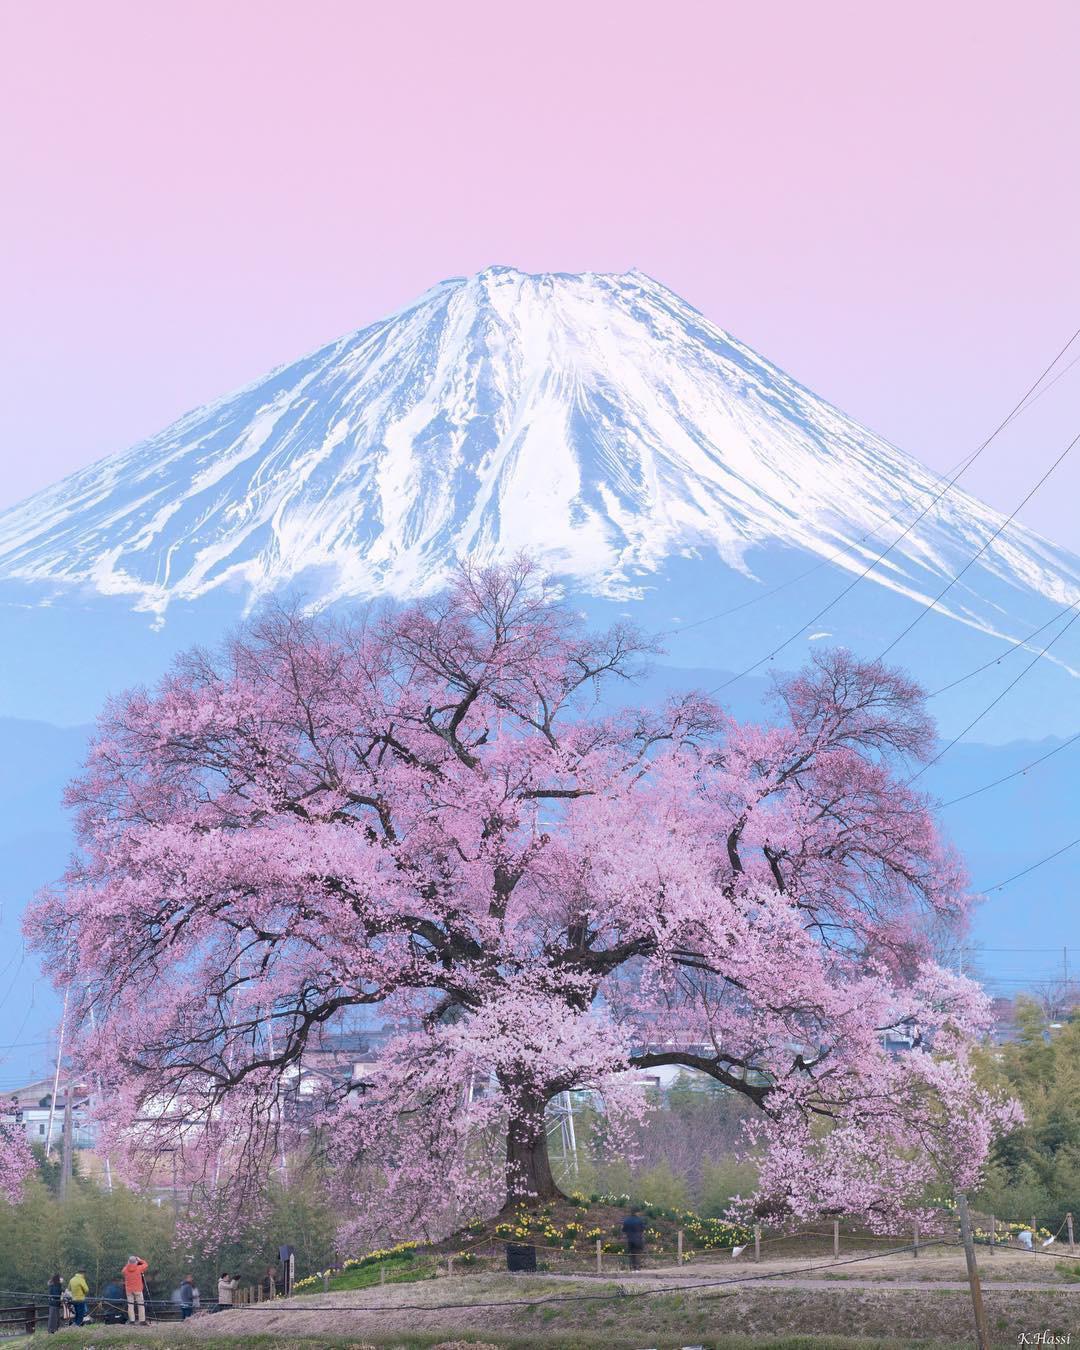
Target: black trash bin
<point>520,1256</point>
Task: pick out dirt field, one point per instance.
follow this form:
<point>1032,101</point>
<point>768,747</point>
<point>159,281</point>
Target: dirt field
<point>896,1301</point>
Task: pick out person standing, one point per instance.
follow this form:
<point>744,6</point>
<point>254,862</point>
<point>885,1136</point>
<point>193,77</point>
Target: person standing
<point>133,1287</point>
<point>634,1230</point>
<point>79,1289</point>
<point>187,1298</point>
<point>226,1288</point>
<point>56,1289</point>
<point>112,1305</point>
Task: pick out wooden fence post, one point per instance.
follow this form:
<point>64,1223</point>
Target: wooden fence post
<point>1068,1225</point>
<point>993,1234</point>
<point>915,1238</point>
<point>836,1239</point>
<point>599,1257</point>
<point>449,1265</point>
<point>382,1272</point>
<point>982,1332</point>
<point>680,1246</point>
<point>757,1242</point>
<point>326,1281</point>
<point>1034,1234</point>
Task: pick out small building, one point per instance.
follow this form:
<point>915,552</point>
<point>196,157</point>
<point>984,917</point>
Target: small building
<point>31,1108</point>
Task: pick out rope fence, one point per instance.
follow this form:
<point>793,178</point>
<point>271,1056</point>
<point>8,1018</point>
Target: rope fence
<point>303,1306</point>
<point>28,1306</point>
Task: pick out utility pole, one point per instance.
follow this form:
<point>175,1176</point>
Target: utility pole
<point>56,1076</point>
<point>97,1083</point>
<point>65,1156</point>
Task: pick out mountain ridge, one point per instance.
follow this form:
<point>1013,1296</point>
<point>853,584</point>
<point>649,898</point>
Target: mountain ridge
<point>596,420</point>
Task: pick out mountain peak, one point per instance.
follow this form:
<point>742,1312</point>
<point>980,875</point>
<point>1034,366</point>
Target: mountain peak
<point>594,419</point>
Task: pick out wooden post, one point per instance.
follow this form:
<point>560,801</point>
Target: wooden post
<point>599,1257</point>
<point>993,1234</point>
<point>449,1265</point>
<point>382,1273</point>
<point>1034,1234</point>
<point>326,1281</point>
<point>1068,1225</point>
<point>836,1239</point>
<point>982,1332</point>
<point>680,1246</point>
<point>757,1242</point>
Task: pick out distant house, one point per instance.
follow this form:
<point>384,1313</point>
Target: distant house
<point>31,1106</point>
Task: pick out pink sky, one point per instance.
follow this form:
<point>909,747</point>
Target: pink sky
<point>882,199</point>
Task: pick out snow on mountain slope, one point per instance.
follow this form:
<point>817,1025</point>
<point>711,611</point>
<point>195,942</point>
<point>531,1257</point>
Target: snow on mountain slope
<point>597,421</point>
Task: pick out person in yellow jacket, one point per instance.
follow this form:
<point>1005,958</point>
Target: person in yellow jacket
<point>78,1289</point>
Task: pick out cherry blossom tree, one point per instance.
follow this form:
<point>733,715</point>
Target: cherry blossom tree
<point>16,1162</point>
<point>429,810</point>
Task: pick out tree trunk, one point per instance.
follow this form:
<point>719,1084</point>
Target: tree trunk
<point>528,1168</point>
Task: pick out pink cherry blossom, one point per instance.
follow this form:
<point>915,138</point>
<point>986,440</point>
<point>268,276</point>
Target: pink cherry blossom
<point>428,811</point>
<point>16,1163</point>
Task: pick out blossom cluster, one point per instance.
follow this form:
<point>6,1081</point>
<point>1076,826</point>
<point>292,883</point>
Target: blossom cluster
<point>426,811</point>
<point>16,1163</point>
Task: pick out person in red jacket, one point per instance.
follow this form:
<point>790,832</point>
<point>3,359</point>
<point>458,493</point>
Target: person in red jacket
<point>133,1287</point>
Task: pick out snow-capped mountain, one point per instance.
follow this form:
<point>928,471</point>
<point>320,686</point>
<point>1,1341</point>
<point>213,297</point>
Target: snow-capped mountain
<point>657,464</point>
<point>597,421</point>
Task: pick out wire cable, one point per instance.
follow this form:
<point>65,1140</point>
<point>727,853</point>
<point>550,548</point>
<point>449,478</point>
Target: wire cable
<point>948,485</point>
<point>989,890</point>
<point>996,660</point>
<point>981,550</point>
<point>962,464</point>
<point>809,571</point>
<point>997,699</point>
<point>1016,773</point>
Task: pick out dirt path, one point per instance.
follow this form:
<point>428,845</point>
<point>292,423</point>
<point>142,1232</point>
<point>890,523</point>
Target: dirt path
<point>665,1308</point>
<point>841,1286</point>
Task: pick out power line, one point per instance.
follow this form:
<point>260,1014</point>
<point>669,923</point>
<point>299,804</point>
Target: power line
<point>14,978</point>
<point>1025,981</point>
<point>997,699</point>
<point>948,485</point>
<point>809,571</point>
<point>962,464</point>
<point>981,948</point>
<point>981,550</point>
<point>1016,773</point>
<point>989,890</point>
<point>996,660</point>
<point>1050,383</point>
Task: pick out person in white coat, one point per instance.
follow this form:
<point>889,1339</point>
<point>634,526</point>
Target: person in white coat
<point>225,1289</point>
